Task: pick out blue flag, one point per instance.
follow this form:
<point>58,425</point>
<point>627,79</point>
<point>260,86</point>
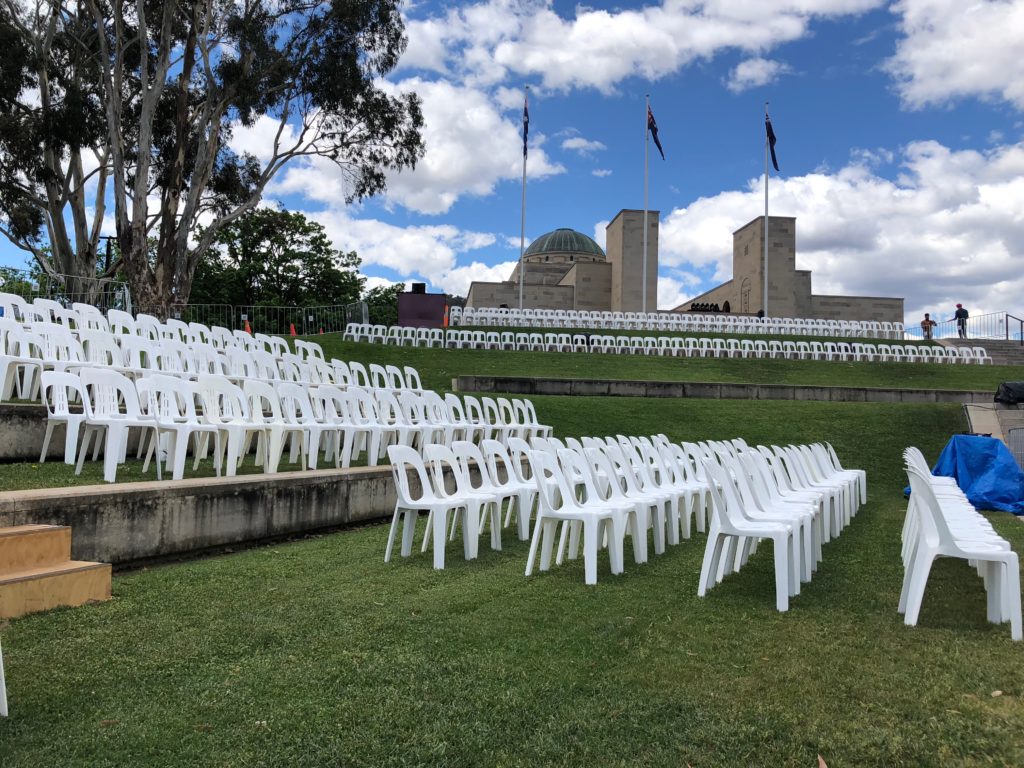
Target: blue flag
<point>771,140</point>
<point>526,122</point>
<point>653,128</point>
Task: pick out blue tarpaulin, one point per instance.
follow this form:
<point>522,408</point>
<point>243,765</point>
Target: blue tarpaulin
<point>986,472</point>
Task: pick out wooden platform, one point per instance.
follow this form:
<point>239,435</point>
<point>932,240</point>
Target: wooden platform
<point>37,572</point>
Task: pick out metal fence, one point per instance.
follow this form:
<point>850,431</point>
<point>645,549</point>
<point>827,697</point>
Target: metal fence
<point>1015,441</point>
<point>304,321</point>
<point>995,325</point>
<point>105,293</point>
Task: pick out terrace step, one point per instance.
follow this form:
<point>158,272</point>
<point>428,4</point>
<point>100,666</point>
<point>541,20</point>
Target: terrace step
<point>37,572</point>
<point>1001,351</point>
<point>33,546</point>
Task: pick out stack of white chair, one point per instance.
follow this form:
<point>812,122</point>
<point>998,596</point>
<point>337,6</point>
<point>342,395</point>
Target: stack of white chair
<point>799,497</point>
<point>941,522</point>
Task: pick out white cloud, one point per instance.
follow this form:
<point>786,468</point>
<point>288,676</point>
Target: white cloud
<point>487,42</point>
<point>753,73</point>
<point>601,172</point>
<point>582,146</point>
<point>470,148</point>
<point>415,253</point>
<point>952,49</point>
<point>671,292</point>
<point>949,229</point>
<point>457,281</point>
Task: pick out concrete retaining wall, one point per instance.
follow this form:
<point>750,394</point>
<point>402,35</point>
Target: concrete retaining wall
<point>716,391</point>
<point>131,522</point>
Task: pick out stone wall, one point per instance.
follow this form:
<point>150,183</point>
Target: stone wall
<point>133,522</point>
<point>592,283</point>
<point>624,247</point>
<point>881,308</point>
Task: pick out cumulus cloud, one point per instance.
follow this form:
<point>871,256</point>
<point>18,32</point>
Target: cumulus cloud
<point>484,43</point>
<point>953,49</point>
<point>582,146</point>
<point>457,281</point>
<point>601,172</point>
<point>948,229</point>
<point>753,73</point>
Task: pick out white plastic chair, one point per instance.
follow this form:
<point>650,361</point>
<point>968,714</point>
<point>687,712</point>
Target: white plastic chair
<point>999,566</point>
<point>106,392</point>
<point>59,390</point>
<point>172,406</point>
<point>731,529</point>
<point>404,460</point>
<point>226,407</point>
<point>558,504</point>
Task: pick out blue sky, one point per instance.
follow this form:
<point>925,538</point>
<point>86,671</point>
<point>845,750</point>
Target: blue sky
<point>900,142</point>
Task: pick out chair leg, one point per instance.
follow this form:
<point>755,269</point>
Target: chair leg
<point>590,539</point>
<point>3,687</point>
<point>391,536</point>
<point>440,518</point>
<point>918,582</point>
<point>782,571</point>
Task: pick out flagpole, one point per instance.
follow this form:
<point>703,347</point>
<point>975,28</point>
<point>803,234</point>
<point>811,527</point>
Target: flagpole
<point>522,222</point>
<point>764,306</point>
<point>643,272</point>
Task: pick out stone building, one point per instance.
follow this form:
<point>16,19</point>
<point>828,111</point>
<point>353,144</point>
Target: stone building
<point>789,288</point>
<point>565,269</point>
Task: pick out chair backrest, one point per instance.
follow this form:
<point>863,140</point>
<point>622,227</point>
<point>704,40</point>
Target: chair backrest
<point>308,349</point>
<point>59,389</point>
<point>264,402</point>
<point>404,460</point>
<point>100,347</point>
<point>222,399</point>
<point>106,392</point>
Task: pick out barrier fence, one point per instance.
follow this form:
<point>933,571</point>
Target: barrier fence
<point>279,321</point>
<point>995,325</point>
<point>105,293</point>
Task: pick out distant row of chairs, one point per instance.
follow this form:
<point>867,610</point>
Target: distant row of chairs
<point>674,321</point>
<point>679,346</point>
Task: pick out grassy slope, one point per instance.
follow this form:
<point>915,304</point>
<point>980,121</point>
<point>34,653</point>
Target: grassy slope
<point>438,367</point>
<point>316,653</point>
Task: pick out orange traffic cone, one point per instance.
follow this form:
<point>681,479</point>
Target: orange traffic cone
<point>444,323</point>
<point>291,330</point>
<point>321,331</point>
<point>247,328</point>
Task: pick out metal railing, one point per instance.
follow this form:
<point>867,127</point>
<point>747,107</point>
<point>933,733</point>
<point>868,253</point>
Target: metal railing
<point>105,293</point>
<point>278,321</point>
<point>995,325</point>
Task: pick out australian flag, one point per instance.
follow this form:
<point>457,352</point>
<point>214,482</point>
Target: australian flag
<point>771,140</point>
<point>653,128</point>
<point>526,122</point>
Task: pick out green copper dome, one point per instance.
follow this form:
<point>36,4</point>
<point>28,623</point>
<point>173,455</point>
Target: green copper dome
<point>564,241</point>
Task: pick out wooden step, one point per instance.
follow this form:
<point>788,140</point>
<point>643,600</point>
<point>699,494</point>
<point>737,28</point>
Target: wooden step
<point>33,546</point>
<point>69,583</point>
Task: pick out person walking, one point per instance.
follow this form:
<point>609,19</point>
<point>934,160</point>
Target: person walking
<point>926,327</point>
<point>961,316</point>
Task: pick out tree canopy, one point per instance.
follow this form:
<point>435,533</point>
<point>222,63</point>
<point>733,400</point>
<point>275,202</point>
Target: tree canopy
<point>276,258</point>
<point>126,110</point>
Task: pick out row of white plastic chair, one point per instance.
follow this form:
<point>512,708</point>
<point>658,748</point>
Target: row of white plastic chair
<point>397,335</point>
<point>603,489</point>
<point>344,423</point>
<point>678,346</point>
<point>86,317</point>
<point>799,497</point>
<point>640,487</point>
<point>718,322</point>
<point>941,522</point>
<point>48,346</point>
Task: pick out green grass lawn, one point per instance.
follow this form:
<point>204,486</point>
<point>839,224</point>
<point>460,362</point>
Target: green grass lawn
<point>316,653</point>
<point>437,367</point>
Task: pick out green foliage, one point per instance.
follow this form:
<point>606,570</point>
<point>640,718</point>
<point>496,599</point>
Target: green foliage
<point>149,93</point>
<point>382,303</point>
<point>276,258</point>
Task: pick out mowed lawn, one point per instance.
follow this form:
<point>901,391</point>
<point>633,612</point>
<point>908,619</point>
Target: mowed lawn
<point>316,653</point>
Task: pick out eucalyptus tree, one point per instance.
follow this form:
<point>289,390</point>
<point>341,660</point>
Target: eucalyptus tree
<point>124,111</point>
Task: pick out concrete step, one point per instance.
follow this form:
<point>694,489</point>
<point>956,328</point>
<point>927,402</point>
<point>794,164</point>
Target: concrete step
<point>33,546</point>
<point>70,583</point>
<point>1001,351</point>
